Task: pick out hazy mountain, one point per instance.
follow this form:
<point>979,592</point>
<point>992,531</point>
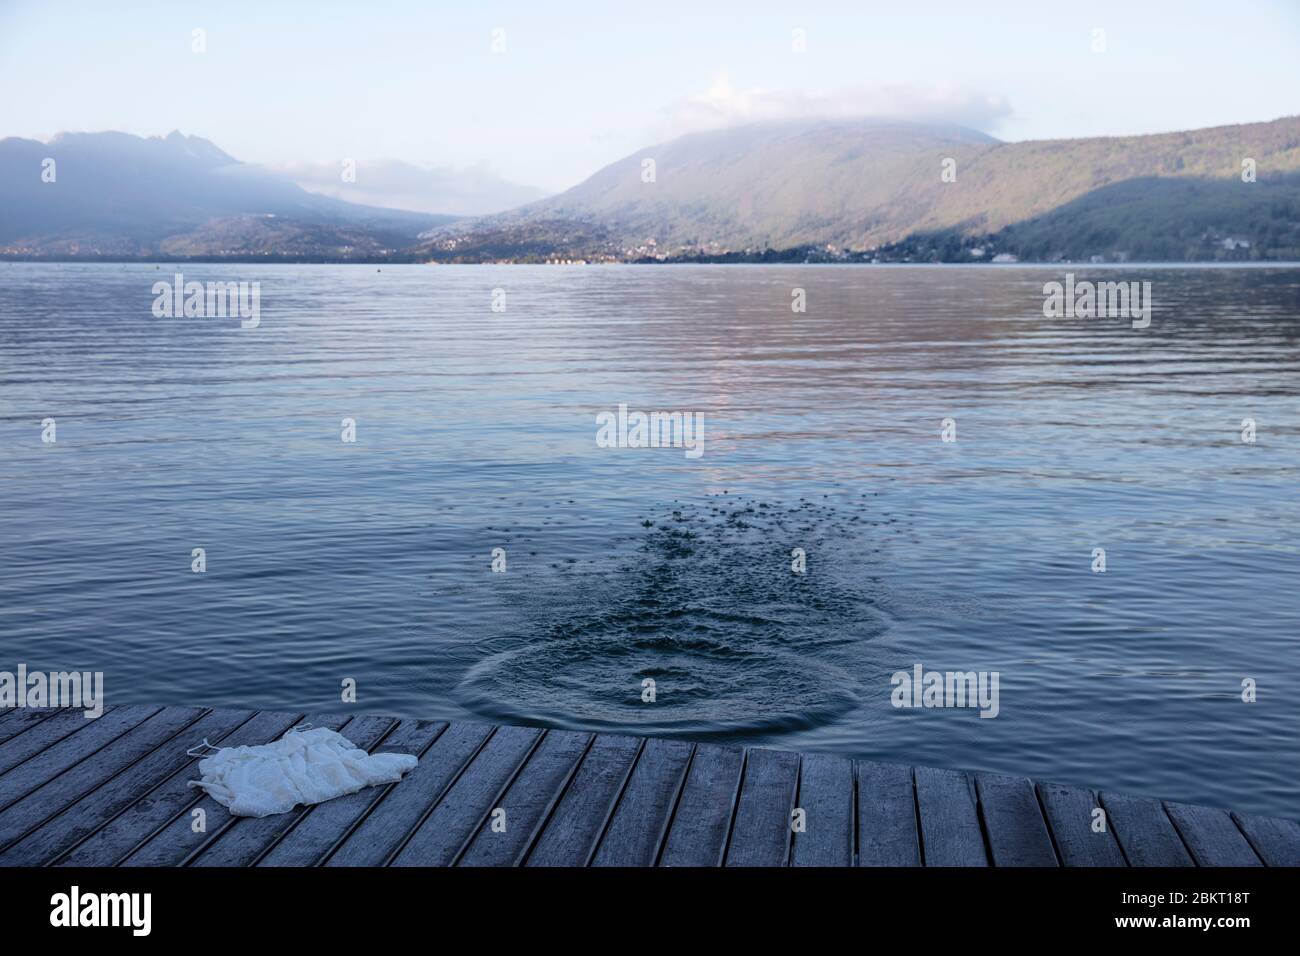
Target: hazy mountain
<point>827,189</point>
<point>861,185</point>
<point>122,195</point>
<point>473,191</point>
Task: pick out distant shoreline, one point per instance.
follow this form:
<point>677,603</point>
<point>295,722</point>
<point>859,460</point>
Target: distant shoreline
<point>714,261</point>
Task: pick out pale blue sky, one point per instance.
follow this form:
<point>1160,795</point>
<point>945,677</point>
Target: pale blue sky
<point>582,84</point>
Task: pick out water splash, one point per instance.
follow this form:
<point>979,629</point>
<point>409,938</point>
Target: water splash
<point>707,606</point>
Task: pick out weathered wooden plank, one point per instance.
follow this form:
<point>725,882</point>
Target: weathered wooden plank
<point>1144,831</point>
<point>171,798</point>
<point>40,735</point>
<point>1211,836</point>
<point>826,797</point>
<point>175,841</point>
<point>245,839</point>
<point>887,833</point>
<point>569,837</point>
<point>314,836</point>
<point>645,809</point>
<point>21,719</point>
<point>59,793</point>
<point>75,791</point>
<point>46,842</point>
<point>1017,833</point>
<point>760,833</point>
<point>698,834</point>
<point>453,821</point>
<point>384,830</point>
<point>44,766</point>
<point>1070,816</point>
<point>950,828</point>
<point>528,801</point>
<point>1276,841</point>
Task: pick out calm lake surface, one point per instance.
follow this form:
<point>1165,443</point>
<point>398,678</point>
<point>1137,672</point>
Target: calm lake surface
<point>477,430</point>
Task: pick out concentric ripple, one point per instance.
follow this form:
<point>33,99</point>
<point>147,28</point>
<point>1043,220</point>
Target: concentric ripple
<point>708,608</point>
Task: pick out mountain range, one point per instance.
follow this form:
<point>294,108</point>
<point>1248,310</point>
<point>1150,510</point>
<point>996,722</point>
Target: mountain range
<point>471,191</point>
<point>846,188</point>
<point>815,189</point>
<point>114,195</point>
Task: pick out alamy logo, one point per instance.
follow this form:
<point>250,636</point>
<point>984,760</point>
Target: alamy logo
<point>215,300</point>
<point>922,688</point>
<point>80,689</point>
<point>75,908</point>
<point>1094,300</point>
<point>651,430</point>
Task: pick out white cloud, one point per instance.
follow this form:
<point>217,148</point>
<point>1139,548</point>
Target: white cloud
<point>724,105</point>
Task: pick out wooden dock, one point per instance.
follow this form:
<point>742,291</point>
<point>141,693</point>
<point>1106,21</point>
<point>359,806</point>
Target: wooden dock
<point>113,792</point>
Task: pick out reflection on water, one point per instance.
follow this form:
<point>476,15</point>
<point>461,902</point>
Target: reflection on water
<point>476,430</point>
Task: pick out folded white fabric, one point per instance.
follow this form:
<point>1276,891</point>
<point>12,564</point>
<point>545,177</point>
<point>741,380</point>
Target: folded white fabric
<point>304,766</point>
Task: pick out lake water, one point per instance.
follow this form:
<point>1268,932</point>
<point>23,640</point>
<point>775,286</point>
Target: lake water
<point>477,429</point>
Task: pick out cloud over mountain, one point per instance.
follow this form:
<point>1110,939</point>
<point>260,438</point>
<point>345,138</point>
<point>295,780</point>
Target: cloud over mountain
<point>723,105</point>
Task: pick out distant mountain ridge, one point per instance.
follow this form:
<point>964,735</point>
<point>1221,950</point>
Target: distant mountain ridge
<point>805,190</point>
<point>393,184</point>
<point>869,186</point>
<point>114,194</point>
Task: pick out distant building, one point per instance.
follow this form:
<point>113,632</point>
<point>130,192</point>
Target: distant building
<point>1005,257</point>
